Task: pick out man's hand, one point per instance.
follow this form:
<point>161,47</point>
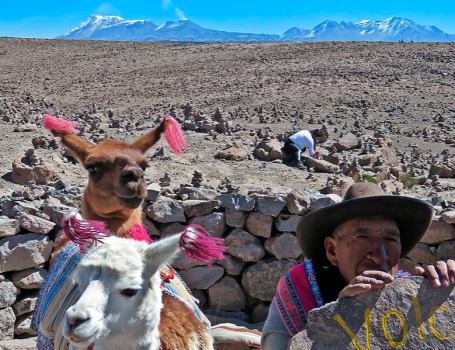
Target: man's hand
<point>440,274</point>
<point>365,282</point>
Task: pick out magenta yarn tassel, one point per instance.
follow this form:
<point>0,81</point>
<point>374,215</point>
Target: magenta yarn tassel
<point>84,232</point>
<point>174,136</point>
<point>197,244</point>
<point>139,233</point>
<point>51,123</point>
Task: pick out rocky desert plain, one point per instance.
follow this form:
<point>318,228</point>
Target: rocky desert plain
<point>388,108</point>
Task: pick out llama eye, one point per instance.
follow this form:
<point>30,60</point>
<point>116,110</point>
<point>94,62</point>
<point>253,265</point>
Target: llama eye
<point>129,292</point>
<point>92,169</point>
<point>143,167</point>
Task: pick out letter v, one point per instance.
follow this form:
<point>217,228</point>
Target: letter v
<point>368,322</point>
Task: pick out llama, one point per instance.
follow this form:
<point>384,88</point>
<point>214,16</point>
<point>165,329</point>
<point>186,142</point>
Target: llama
<point>122,298</point>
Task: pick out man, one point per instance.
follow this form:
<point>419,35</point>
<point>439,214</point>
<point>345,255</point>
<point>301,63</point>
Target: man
<point>353,246</point>
<point>299,142</point>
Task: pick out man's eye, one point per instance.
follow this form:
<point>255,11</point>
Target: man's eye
<point>129,292</point>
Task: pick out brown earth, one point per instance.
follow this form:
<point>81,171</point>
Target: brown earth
<point>402,88</point>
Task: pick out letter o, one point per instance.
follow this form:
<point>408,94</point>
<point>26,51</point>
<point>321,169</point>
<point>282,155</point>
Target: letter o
<point>404,324</point>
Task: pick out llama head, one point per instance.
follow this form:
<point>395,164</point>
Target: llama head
<point>120,298</point>
<point>116,184</point>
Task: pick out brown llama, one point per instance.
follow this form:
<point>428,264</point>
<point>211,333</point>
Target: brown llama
<point>114,194</point>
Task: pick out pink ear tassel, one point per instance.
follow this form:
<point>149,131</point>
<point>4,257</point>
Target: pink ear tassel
<point>139,233</point>
<point>84,232</point>
<point>52,123</point>
<point>174,136</point>
<point>197,244</point>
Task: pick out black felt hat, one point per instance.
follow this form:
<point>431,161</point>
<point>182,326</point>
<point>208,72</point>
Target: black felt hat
<point>413,217</point>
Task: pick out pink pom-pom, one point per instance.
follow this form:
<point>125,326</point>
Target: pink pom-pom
<point>174,136</point>
<point>197,244</point>
<point>139,233</point>
<point>53,123</point>
<point>84,232</point>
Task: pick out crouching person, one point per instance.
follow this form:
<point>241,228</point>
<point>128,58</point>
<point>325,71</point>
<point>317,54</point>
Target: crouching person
<point>352,247</point>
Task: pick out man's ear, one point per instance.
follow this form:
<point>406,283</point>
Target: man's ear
<point>79,146</point>
<point>148,140</point>
<point>330,245</point>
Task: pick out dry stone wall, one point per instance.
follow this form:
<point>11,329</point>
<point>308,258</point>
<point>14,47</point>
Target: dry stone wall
<point>258,225</point>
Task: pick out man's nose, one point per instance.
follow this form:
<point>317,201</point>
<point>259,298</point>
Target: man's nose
<point>378,253</point>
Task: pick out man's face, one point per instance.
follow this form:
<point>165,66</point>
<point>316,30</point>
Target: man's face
<point>369,243</point>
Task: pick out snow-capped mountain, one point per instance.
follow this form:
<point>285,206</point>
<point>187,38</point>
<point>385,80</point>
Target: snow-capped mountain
<point>116,28</point>
<point>392,29</point>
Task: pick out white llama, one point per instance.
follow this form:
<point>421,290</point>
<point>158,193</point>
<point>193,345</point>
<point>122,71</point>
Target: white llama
<point>121,297</point>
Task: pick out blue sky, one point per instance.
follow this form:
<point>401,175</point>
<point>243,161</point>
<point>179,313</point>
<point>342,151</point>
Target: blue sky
<point>38,19</point>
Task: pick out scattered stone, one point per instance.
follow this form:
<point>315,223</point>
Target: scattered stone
<point>214,223</point>
<point>298,202</point>
<point>198,207</point>
<point>165,181</point>
<point>227,295</point>
<point>347,142</point>
<point>165,210</point>
<point>29,279</point>
<point>441,170</point>
<point>24,251</point>
<point>391,186</point>
<point>338,185</point>
<point>236,201</point>
<point>35,224</point>
<point>8,227</point>
<point>259,224</point>
<point>244,246</point>
<point>193,280</point>
<point>270,205</point>
<point>235,218</point>
<point>269,150</point>
<point>260,280</point>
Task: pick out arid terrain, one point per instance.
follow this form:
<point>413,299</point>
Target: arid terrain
<point>403,90</point>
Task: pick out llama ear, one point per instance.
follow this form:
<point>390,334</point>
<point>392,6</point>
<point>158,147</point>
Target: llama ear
<point>161,252</point>
<point>148,140</point>
<point>79,146</point>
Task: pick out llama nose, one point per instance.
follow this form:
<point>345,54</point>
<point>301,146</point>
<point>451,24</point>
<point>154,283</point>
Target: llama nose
<point>76,316</point>
<point>134,174</point>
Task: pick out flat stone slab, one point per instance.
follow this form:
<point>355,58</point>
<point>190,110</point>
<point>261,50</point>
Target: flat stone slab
<point>408,314</point>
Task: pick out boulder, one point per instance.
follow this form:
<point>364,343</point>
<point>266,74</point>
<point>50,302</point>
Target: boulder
<point>214,223</point>
<point>338,185</point>
<point>202,277</point>
<point>22,173</point>
<point>287,223</point>
<point>233,153</point>
<point>441,170</point>
<point>244,246</point>
<point>298,202</point>
<point>165,210</point>
<point>24,251</point>
<point>235,218</point>
<point>449,217</point>
<point>25,303</point>
<point>227,295</point>
<point>422,254</point>
<point>8,227</point>
<point>259,224</point>
<point>320,165</point>
<point>407,314</point>
<point>29,279</point>
<point>270,204</point>
<point>35,224</point>
<point>445,250</point>
<point>438,232</point>
<point>284,246</point>
<point>236,201</point>
<point>260,280</point>
<point>7,324</point>
<point>57,211</point>
<point>19,344</point>
<point>153,191</point>
<point>233,266</point>
<point>269,150</point>
<point>8,292</point>
<point>23,325</point>
<point>198,207</point>
<point>182,262</point>
<point>347,142</point>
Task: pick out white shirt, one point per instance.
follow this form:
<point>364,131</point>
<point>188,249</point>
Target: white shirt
<point>304,139</point>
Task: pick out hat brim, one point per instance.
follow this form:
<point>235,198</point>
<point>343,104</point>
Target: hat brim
<point>413,217</point>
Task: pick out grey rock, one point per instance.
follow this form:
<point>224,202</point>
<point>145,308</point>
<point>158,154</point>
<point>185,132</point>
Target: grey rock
<point>201,299</point>
<point>25,303</point>
<point>259,313</point>
<point>29,279</point>
<point>269,150</point>
<point>347,142</point>
<point>270,205</point>
<point>287,223</point>
<point>198,207</point>
<point>422,254</point>
<point>449,217</point>
<point>259,224</point>
<point>57,211</point>
<point>8,227</point>
<point>171,229</point>
<point>235,218</point>
<point>298,202</point>
<point>24,251</point>
<point>8,293</point>
<point>182,262</point>
<point>438,232</point>
<point>236,201</point>
<point>149,226</point>
<point>391,309</point>
<point>285,246</point>
<point>227,295</point>
<point>202,277</point>
<point>153,191</point>
<point>23,325</point>
<point>441,170</point>
<point>323,202</point>
<point>260,280</point>
<point>320,165</point>
<point>7,324</point>
<point>214,223</point>
<point>445,250</point>
<point>19,344</point>
<point>35,224</point>
<point>165,210</point>
<point>233,266</point>
<point>244,246</point>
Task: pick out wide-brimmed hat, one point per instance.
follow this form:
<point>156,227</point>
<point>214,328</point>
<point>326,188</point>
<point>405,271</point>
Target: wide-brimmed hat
<point>413,217</point>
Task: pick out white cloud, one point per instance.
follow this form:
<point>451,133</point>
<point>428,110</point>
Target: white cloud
<point>166,4</point>
<point>180,14</point>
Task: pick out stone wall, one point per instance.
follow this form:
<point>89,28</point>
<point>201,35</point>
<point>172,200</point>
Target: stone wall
<point>258,226</point>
